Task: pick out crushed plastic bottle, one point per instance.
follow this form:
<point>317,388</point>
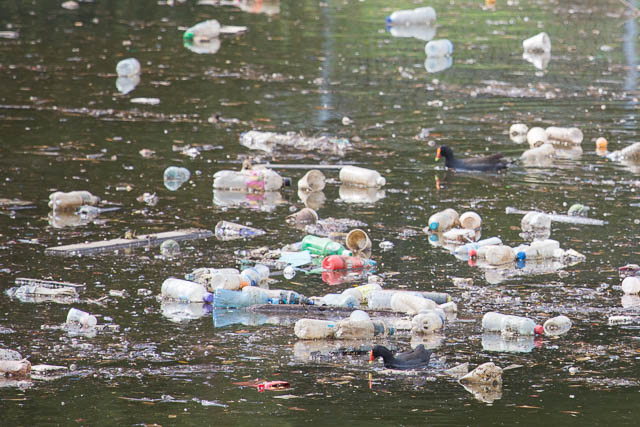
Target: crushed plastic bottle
<point>81,319</point>
<point>226,230</point>
<point>175,176</point>
<point>539,249</point>
<point>435,64</point>
<point>362,292</point>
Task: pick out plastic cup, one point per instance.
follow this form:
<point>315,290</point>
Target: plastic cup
<point>313,180</point>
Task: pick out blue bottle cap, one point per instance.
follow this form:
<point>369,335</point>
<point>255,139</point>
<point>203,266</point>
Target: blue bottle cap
<point>388,20</point>
<point>521,255</point>
<point>434,225</point>
<point>208,297</point>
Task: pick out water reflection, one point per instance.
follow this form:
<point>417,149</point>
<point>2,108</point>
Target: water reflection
<point>266,201</point>
<point>351,194</point>
<point>540,60</point>
<point>435,64</point>
<point>208,47</point>
<point>222,318</point>
<point>127,84</point>
<point>515,344</point>
<point>180,312</point>
<point>420,32</point>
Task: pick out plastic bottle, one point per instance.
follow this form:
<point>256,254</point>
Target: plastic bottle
<point>564,135</point>
<point>226,229</point>
<point>31,290</point>
<point>227,280</point>
<point>427,322</point>
<point>339,300</point>
<point>536,137</point>
<point>361,177</point>
<point>203,275</point>
<point>509,325</point>
<point>496,254</point>
<point>437,48</point>
<point>323,246</point>
<point>620,320</point>
<point>341,262</point>
<point>465,250</point>
<point>71,200</point>
<point>405,302</point>
<point>184,290</point>
<point>535,222</point>
<point>539,249</point>
<point>248,296</point>
<point>362,292</point>
<point>360,329</point>
<point>282,296</point>
<point>256,275</point>
<point>420,16</point>
<point>15,368</point>
<point>248,180</point>
<point>128,67</point>
<point>313,329</point>
<point>81,319</point>
<point>202,31</point>
<point>175,176</point>
<point>518,133</point>
<point>470,220</point>
<point>557,325</point>
<point>631,285</point>
<point>443,221</point>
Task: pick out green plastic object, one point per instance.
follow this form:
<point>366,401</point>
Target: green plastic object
<point>323,246</point>
<point>188,36</point>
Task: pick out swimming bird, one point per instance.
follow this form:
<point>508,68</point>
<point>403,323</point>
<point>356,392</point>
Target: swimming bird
<point>417,358</point>
<point>491,163</point>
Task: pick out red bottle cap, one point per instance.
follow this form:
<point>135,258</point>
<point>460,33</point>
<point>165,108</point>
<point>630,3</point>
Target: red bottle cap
<point>538,330</point>
<point>333,262</point>
<point>473,253</point>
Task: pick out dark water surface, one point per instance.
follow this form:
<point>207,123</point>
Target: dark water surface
<point>64,126</point>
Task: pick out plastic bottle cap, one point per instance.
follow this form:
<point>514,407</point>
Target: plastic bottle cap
<point>388,20</point>
<point>538,330</point>
<point>187,36</point>
<point>208,297</point>
<point>434,225</point>
<point>286,181</point>
<point>473,253</point>
<point>521,255</point>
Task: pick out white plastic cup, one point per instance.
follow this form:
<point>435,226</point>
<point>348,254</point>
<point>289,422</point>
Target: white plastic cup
<point>313,180</point>
<point>538,43</point>
<point>557,325</point>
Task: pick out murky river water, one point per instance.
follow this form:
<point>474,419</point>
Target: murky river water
<point>64,126</point>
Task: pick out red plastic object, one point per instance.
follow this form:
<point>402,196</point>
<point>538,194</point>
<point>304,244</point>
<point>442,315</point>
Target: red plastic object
<point>538,330</point>
<point>273,385</point>
<point>341,262</point>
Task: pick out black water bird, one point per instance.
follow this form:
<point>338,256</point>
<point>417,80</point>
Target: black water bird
<point>417,358</point>
<point>492,163</point>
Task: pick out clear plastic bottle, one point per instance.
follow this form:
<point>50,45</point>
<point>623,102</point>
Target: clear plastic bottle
<point>465,250</point>
<point>631,285</point>
<point>496,254</point>
<point>230,230</point>
<point>339,300</point>
<point>248,180</point>
<point>438,48</point>
<point>223,280</point>
<point>323,246</point>
<point>539,249</point>
<point>508,325</point>
<point>202,31</point>
<point>256,275</point>
<point>420,16</point>
<point>444,220</point>
<point>313,329</point>
<point>71,200</point>
<point>82,319</point>
<point>184,290</point>
<point>282,296</point>
<point>248,296</point>
<point>408,303</point>
<point>361,177</point>
<point>535,222</point>
<point>427,322</point>
<point>564,135</point>
<point>470,220</point>
<point>557,325</point>
<point>518,133</point>
<point>203,275</point>
<point>175,176</point>
<point>128,67</point>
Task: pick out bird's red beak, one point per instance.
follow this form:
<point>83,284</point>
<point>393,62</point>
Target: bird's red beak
<point>371,356</point>
<point>438,154</point>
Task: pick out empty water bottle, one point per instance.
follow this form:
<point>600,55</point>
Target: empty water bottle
<point>226,230</point>
<point>202,31</point>
<point>312,329</point>
<point>470,220</point>
<point>184,290</point>
<point>71,200</point>
<point>339,300</point>
<point>175,176</point>
<point>419,16</point>
<point>495,254</point>
<point>465,250</point>
<point>509,325</point>
<point>248,296</point>
<point>341,262</point>
<point>443,221</point>
<point>405,302</point>
<point>248,180</point>
<point>427,322</point>
<point>81,319</point>
<point>282,296</point>
<point>362,292</point>
<point>564,135</point>
<point>128,67</point>
<point>361,329</point>
<point>539,249</point>
<point>361,177</point>
<point>436,48</point>
<point>536,137</point>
